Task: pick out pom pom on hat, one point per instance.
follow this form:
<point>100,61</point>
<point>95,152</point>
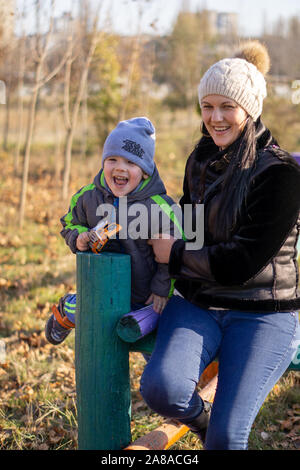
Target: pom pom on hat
<point>240,78</point>
<point>255,53</point>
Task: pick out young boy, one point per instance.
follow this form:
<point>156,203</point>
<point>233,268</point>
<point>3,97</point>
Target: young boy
<point>128,170</point>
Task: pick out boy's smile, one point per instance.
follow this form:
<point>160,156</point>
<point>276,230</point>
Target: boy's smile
<point>122,176</point>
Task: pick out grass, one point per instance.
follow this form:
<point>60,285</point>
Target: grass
<point>37,380</point>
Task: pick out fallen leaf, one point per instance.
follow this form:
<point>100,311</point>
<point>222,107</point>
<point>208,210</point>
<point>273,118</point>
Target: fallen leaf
<point>286,424</point>
<point>43,447</point>
<point>54,438</point>
<point>296,409</point>
<point>272,428</point>
<point>2,372</point>
<point>26,419</point>
<point>297,443</point>
<point>138,405</point>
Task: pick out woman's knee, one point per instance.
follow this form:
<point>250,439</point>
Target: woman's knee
<point>154,390</point>
<point>166,394</point>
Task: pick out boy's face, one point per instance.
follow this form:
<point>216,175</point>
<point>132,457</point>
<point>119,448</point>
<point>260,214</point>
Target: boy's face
<point>121,175</point>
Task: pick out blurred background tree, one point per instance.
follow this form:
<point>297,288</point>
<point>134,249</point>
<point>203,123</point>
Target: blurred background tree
<point>105,101</point>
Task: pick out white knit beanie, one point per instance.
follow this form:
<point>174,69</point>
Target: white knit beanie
<point>240,78</point>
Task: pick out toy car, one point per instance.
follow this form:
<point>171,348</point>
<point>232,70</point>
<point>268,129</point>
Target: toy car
<point>100,235</point>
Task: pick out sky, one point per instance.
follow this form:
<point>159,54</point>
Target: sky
<point>252,13</point>
<point>158,16</point>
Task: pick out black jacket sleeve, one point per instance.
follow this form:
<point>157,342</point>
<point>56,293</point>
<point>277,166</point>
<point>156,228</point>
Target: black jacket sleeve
<point>161,281</point>
<point>74,223</point>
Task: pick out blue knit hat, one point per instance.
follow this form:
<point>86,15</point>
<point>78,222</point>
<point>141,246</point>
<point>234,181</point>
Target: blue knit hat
<point>134,140</point>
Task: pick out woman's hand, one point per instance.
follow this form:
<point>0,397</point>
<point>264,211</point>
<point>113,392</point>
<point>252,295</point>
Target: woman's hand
<point>162,247</point>
<point>159,302</point>
<point>82,242</point>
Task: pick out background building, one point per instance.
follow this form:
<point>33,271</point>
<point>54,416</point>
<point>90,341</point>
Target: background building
<point>7,21</point>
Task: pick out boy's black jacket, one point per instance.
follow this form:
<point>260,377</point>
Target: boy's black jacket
<point>254,268</point>
<point>147,276</point>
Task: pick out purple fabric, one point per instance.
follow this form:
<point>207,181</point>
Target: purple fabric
<point>137,324</point>
<point>296,155</point>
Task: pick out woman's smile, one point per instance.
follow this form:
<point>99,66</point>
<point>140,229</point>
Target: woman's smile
<point>221,130</point>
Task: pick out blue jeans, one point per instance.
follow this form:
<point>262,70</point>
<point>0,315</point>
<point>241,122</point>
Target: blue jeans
<point>253,349</point>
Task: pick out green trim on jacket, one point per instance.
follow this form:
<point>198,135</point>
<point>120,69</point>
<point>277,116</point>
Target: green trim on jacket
<point>69,217</point>
<point>167,209</point>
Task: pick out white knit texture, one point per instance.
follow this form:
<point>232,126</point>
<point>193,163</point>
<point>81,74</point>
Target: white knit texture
<point>236,79</point>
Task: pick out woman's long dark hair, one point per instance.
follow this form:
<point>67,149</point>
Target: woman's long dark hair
<point>241,156</point>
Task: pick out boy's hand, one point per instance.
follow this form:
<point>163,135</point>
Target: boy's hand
<point>82,242</point>
<point>159,302</point>
<point>162,246</point>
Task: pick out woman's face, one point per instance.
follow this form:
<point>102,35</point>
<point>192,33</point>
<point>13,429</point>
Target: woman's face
<point>223,118</point>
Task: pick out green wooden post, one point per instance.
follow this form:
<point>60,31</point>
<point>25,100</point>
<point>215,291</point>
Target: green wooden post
<point>101,358</point>
<point>295,364</point>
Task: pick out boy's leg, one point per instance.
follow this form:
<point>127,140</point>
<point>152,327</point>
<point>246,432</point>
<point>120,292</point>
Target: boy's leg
<point>256,350</point>
<point>187,341</point>
<point>67,306</point>
<point>60,323</point>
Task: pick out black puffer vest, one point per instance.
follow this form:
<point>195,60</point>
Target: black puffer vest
<point>254,268</point>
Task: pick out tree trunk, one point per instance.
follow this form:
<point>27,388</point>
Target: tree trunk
<point>41,52</point>
<point>20,105</point>
<point>68,157</point>
<point>133,60</point>
<point>27,152</point>
<point>7,119</point>
<point>73,121</point>
<point>20,132</point>
<point>57,154</point>
<point>84,115</point>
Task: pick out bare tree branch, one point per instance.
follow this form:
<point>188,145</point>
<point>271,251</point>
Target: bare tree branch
<point>55,71</point>
<point>41,53</point>
<point>71,118</point>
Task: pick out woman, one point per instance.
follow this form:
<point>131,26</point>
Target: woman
<point>239,296</point>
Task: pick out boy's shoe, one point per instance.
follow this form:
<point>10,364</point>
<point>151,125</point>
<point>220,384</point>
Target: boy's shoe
<point>59,325</point>
<point>54,332</point>
<point>66,310</point>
